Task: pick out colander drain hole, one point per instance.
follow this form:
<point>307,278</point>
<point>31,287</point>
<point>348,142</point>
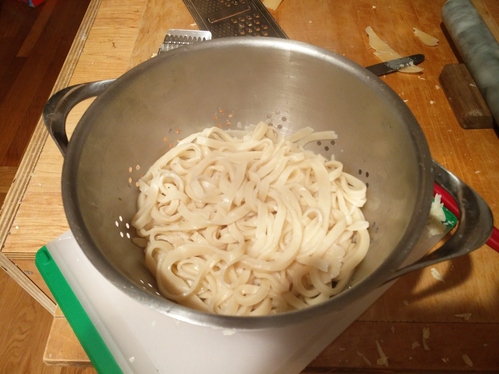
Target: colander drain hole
<point>373,230</point>
<point>149,286</point>
<point>123,227</point>
<point>134,175</point>
<point>366,174</point>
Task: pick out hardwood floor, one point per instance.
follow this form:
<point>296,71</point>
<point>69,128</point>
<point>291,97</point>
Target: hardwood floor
<point>34,43</point>
<point>25,326</point>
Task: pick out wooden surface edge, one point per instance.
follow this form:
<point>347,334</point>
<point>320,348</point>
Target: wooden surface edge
<point>352,351</point>
<point>33,151</point>
<point>25,282</point>
<point>62,340</point>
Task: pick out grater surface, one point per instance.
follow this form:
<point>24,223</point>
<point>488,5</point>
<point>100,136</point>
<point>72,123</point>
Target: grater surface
<point>178,37</point>
<point>234,18</point>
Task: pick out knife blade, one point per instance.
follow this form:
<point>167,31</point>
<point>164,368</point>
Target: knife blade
<point>395,65</point>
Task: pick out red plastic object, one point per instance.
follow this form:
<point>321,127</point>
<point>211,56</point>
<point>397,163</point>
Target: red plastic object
<point>32,3</point>
<point>450,204</point>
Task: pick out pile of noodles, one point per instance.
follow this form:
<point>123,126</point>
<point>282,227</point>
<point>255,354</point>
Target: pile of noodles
<point>252,223</point>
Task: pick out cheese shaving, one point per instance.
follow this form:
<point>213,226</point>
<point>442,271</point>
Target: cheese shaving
<point>436,209</point>
<point>385,53</point>
<point>366,360</point>
<point>466,316</point>
<point>436,218</point>
<point>467,360</point>
<point>427,39</point>
<point>426,335</point>
<point>272,4</point>
<point>437,275</point>
<point>383,360</point>
<point>415,345</point>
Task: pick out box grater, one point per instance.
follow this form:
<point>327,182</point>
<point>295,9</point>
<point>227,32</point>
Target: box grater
<point>234,18</point>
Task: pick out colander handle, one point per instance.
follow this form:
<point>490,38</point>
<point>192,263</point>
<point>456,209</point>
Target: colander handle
<point>474,228</point>
<point>59,105</point>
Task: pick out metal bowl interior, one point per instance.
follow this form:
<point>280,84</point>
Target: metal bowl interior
<point>244,80</point>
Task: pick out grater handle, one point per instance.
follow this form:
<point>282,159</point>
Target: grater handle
<point>474,228</point>
<point>59,105</point>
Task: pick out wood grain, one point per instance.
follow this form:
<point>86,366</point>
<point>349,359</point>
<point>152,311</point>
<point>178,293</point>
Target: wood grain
<point>25,328</point>
<point>408,351</point>
<point>7,174</point>
<point>24,33</point>
<point>36,69</point>
<point>64,352</point>
<point>39,134</point>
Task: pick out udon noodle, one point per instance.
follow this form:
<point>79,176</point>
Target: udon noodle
<point>251,223</point>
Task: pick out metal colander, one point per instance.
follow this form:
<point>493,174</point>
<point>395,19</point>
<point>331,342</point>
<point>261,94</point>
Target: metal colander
<point>234,82</point>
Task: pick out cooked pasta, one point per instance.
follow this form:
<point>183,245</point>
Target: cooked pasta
<point>251,223</point>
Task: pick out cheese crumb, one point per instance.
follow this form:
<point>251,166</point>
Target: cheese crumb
<point>415,345</point>
<point>228,332</point>
<point>437,275</point>
<point>383,360</point>
<point>366,360</point>
<point>466,316</point>
<point>467,360</point>
<point>436,217</point>
<point>426,335</point>
<point>437,208</point>
<point>427,39</point>
<point>272,4</point>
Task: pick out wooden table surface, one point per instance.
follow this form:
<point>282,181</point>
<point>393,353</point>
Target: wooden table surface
<point>461,313</point>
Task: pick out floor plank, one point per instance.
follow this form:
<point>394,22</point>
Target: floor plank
<point>19,354</point>
<point>35,67</point>
<point>34,43</point>
<point>25,328</point>
<point>7,174</point>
